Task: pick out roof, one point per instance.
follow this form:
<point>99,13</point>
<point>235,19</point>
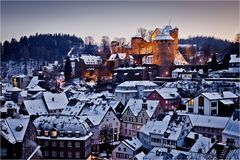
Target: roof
<point>228,94</point>
<point>179,70</point>
<point>9,104</point>
<point>168,93</point>
<point>62,123</point>
<point>135,83</point>
<point>207,121</point>
<point>227,101</point>
<point>135,105</point>
<point>203,143</point>
<point>14,129</point>
<point>139,156</point>
<point>233,127</point>
<point>163,37</point>
<point>90,59</point>
<point>155,127</point>
<point>134,143</point>
<point>234,59</point>
<point>13,89</point>
<point>36,88</point>
<point>55,101</point>
<point>35,107</point>
<point>74,109</point>
<point>212,96</point>
<point>34,81</point>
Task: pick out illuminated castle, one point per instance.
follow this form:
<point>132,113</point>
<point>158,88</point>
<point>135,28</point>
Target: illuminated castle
<point>162,44</point>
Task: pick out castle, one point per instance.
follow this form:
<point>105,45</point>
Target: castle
<point>162,46</point>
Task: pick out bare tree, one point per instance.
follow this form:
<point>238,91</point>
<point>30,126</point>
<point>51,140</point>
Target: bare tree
<point>89,40</point>
<point>142,32</point>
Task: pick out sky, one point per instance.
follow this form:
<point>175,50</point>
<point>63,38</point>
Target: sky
<point>118,19</point>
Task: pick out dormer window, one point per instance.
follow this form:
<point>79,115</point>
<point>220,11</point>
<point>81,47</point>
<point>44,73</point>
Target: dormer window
<point>77,134</point>
<point>69,133</point>
<point>61,133</point>
<point>53,133</point>
<point>39,132</point>
<point>46,133</point>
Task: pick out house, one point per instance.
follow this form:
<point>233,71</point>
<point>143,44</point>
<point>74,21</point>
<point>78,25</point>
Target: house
<point>103,121</point>
<point>20,81</point>
<point>148,59</point>
<point>63,137</point>
<point>121,59</point>
<point>33,107</point>
<point>232,128</point>
<point>169,98</point>
<point>55,102</point>
<point>137,113</point>
<point>175,72</point>
<point>168,132</point>
<point>234,64</point>
<point>208,126</point>
<point>127,149</point>
<point>133,89</point>
<point>18,137</point>
<point>209,103</point>
<point>9,108</point>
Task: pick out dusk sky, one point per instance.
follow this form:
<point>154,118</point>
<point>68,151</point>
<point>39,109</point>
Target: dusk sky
<point>118,19</point>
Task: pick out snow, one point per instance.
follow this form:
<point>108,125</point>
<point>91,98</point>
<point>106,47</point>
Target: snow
<point>34,81</point>
<point>129,68</point>
<point>203,143</point>
<point>139,156</point>
<point>135,83</point>
<point>228,94</point>
<point>35,107</point>
<point>62,123</point>
<point>73,109</point>
<point>6,131</point>
<point>163,36</point>
<point>179,70</point>
<point>234,59</point>
<point>13,123</point>
<point>191,135</point>
<point>9,104</point>
<point>91,60</point>
<point>168,93</point>
<point>212,96</point>
<point>179,59</point>
<point>134,143</point>
<point>232,127</point>
<point>135,105</point>
<point>13,89</point>
<point>227,101</point>
<point>36,89</point>
<point>55,101</point>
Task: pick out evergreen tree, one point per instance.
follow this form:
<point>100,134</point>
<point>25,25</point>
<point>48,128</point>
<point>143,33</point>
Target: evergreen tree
<point>214,63</point>
<point>68,69</point>
<point>226,60</point>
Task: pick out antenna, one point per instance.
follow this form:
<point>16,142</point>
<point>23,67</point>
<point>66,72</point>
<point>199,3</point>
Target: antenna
<point>169,21</point>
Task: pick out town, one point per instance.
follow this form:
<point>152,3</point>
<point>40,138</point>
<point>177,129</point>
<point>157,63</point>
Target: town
<point>152,98</point>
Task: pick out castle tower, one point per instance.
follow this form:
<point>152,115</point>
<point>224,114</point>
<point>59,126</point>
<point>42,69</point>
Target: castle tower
<point>174,35</point>
<point>163,50</point>
<point>137,43</point>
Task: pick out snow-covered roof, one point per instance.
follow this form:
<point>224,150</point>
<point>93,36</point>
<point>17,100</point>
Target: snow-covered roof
<point>207,121</point>
<point>135,83</point>
<point>227,101</point>
<point>139,156</point>
<point>179,70</point>
<point>74,107</point>
<point>134,143</point>
<point>179,59</point>
<point>203,143</point>
<point>55,101</point>
<point>13,89</point>
<point>228,94</point>
<point>191,135</point>
<point>212,95</point>
<point>155,127</point>
<point>129,68</point>
<point>36,88</point>
<point>164,36</point>
<point>90,59</point>
<point>234,59</point>
<point>14,129</point>
<point>121,56</point>
<point>62,123</point>
<point>34,81</point>
<point>9,104</point>
<point>168,93</point>
<point>35,107</point>
<point>158,153</point>
<point>135,105</point>
<point>233,127</point>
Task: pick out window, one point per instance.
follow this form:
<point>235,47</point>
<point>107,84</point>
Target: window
<point>77,144</point>
<point>200,101</point>
<point>124,149</point>
<point>45,143</point>
<point>54,143</point>
<point>54,153</point>
<point>116,123</point>
<point>61,143</point>
<point>119,148</point>
<point>39,132</point>
<point>126,156</point>
<point>77,155</point>
<point>46,133</point>
<point>69,154</point>
<point>46,153</point>
<point>3,151</point>
<point>214,104</point>
<point>69,144</point>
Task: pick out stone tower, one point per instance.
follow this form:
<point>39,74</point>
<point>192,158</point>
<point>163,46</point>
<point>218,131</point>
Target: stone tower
<point>163,50</point>
<point>174,35</point>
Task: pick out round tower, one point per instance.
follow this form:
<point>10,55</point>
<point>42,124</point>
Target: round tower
<point>174,35</point>
<point>163,52</point>
<point>136,44</point>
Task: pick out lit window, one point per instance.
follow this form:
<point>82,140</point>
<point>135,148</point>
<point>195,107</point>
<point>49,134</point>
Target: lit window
<point>61,154</point>
<point>53,133</point>
<point>46,153</point>
<point>77,155</point>
<point>46,133</point>
<point>61,143</point>
<point>77,144</point>
<point>54,143</point>
<point>69,144</point>
<point>54,153</point>
<point>69,154</point>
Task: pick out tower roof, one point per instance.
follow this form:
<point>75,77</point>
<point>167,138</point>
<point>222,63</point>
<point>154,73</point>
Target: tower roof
<point>164,36</point>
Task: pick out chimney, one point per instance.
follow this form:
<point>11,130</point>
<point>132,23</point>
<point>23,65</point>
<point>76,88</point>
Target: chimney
<point>52,98</point>
<point>140,90</point>
<point>144,104</point>
<point>196,136</point>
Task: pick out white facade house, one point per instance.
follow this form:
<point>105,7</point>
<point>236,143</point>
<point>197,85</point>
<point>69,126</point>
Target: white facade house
<point>134,89</point>
<point>232,129</point>
<point>168,133</point>
<point>175,72</point>
<point>208,103</point>
<point>148,59</point>
<point>127,149</point>
<point>234,64</point>
<point>137,113</point>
